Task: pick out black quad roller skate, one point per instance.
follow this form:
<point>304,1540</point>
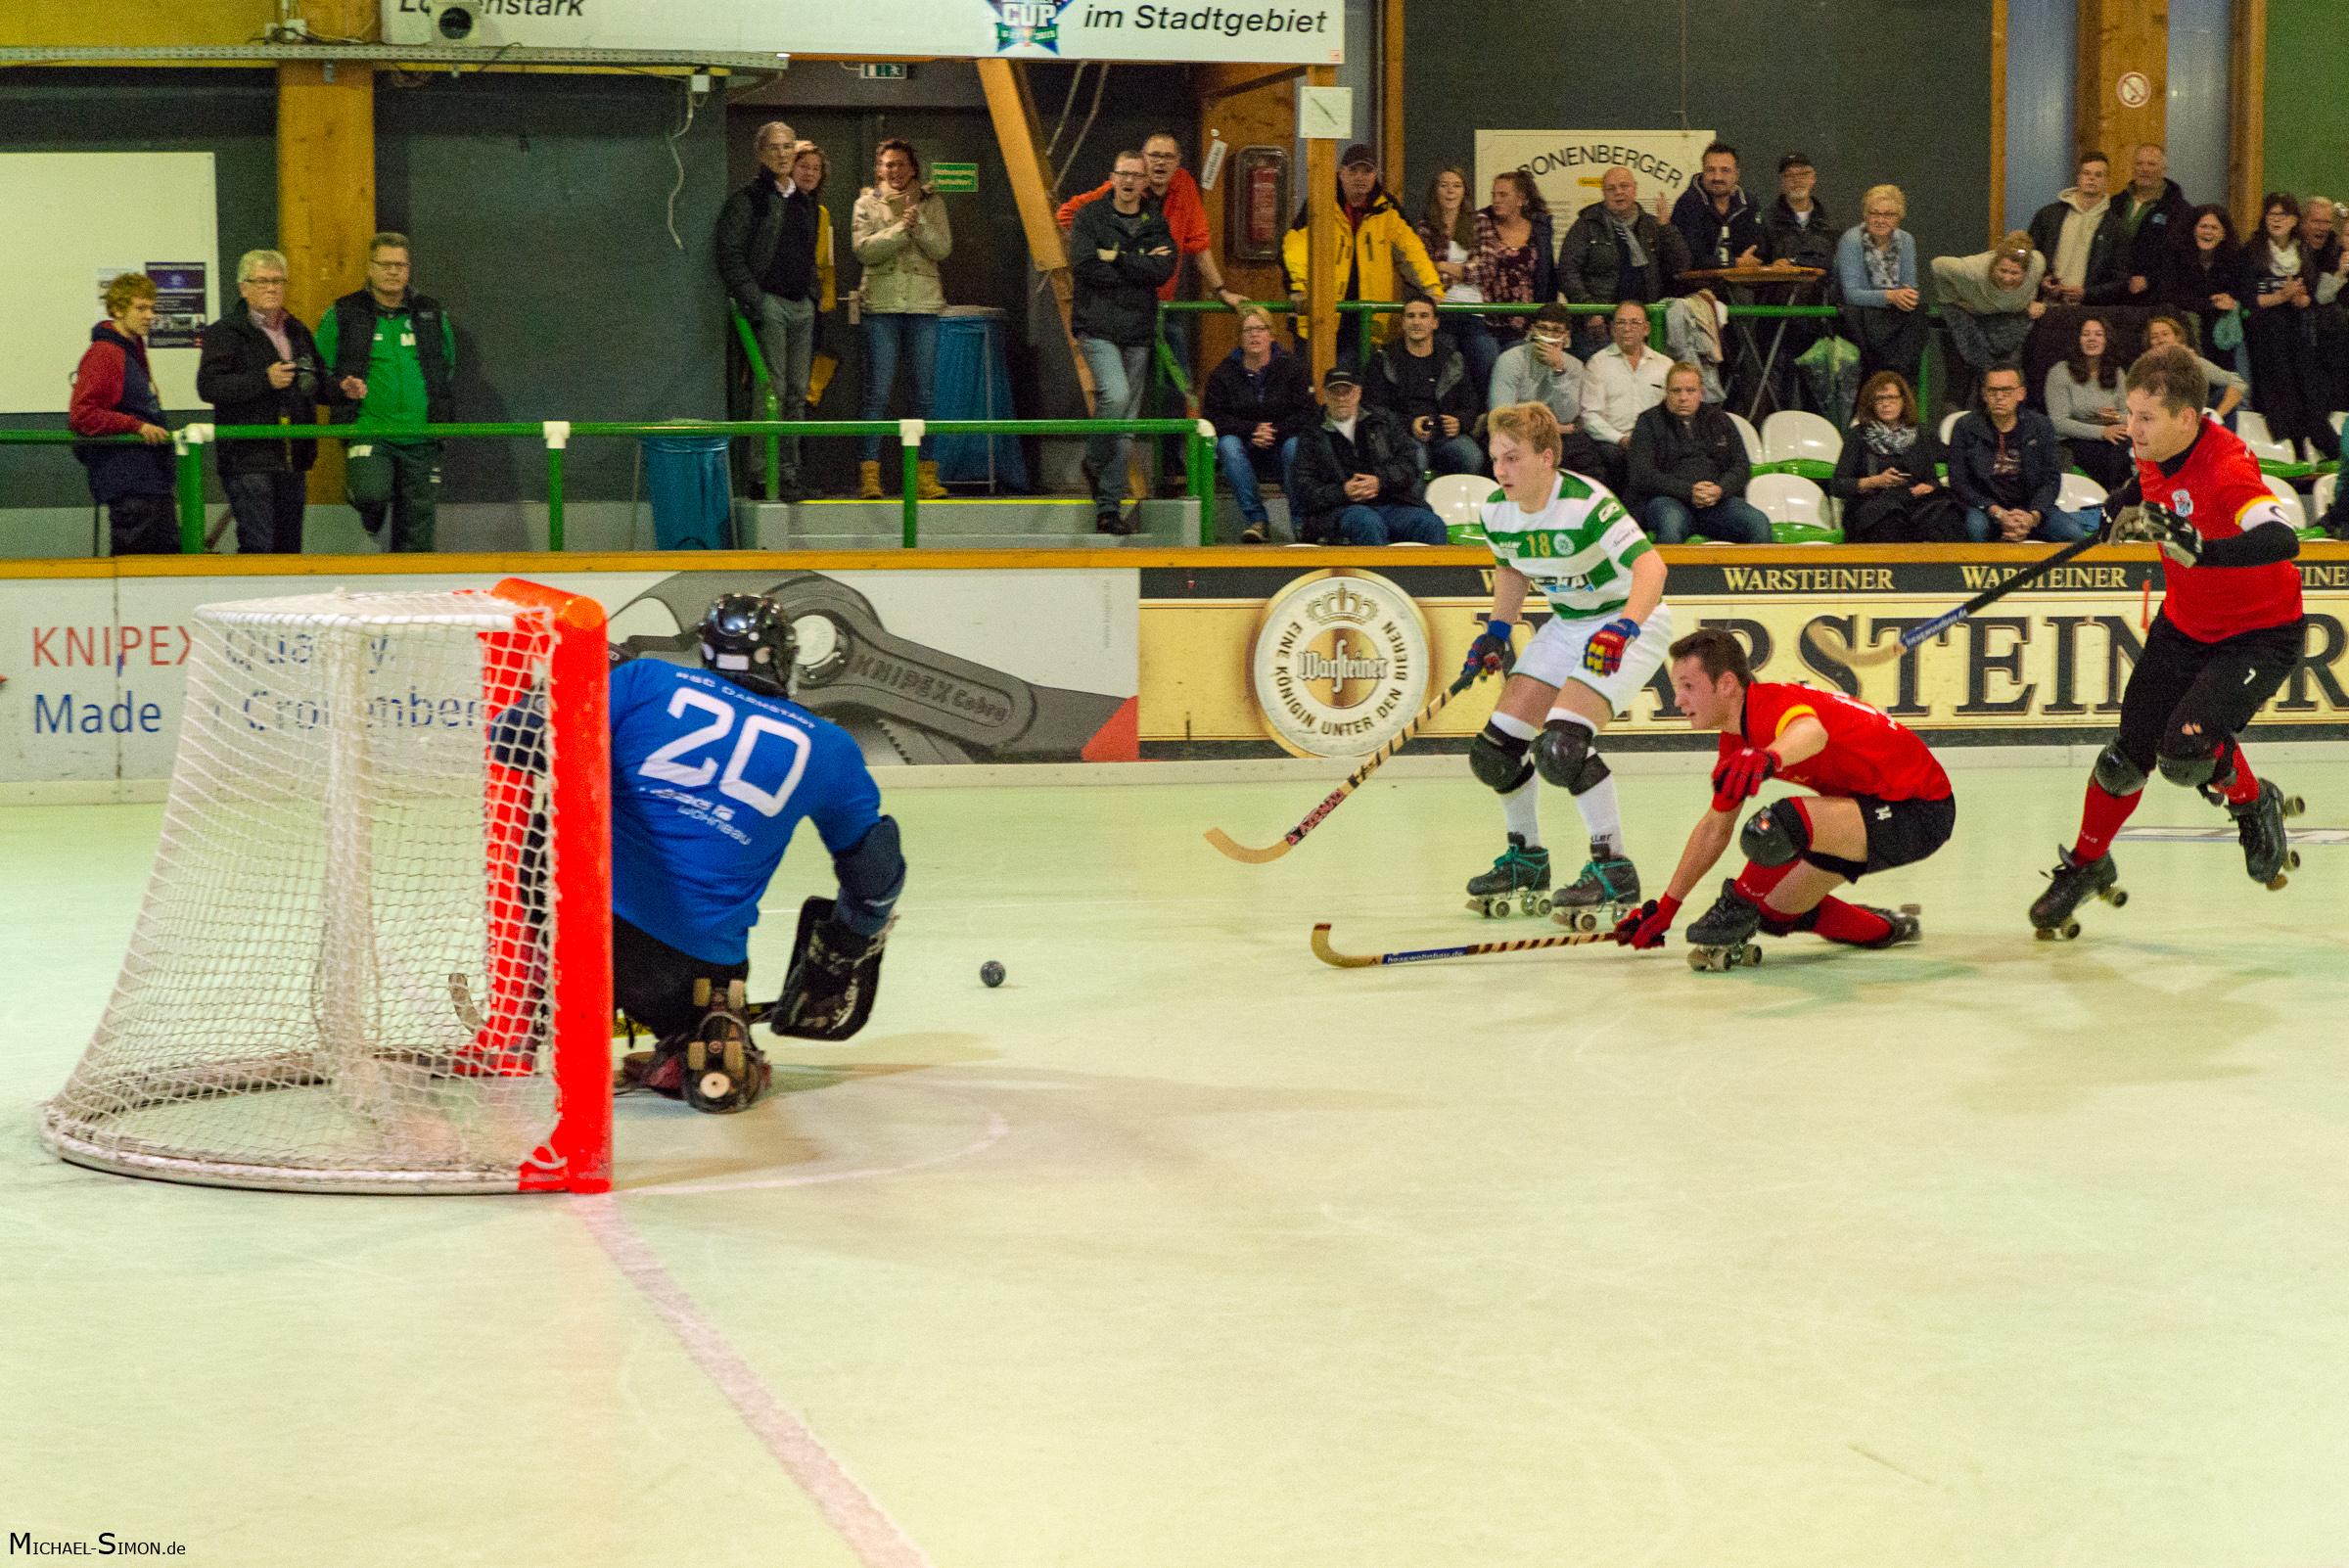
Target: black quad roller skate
<point>1722,936</point>
<point>1607,890</point>
<point>2268,853</point>
<point>1519,880</point>
<point>2069,886</point>
<point>1907,922</point>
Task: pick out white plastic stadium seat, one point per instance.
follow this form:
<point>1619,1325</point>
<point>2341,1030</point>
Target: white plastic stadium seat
<point>1753,437</point>
<point>2296,512</point>
<point>1794,433</point>
<point>2252,427</point>
<point>2320,501</point>
<point>2339,420</point>
<point>1457,498</point>
<point>1788,499</point>
<point>1948,423</point>
<point>2079,493</point>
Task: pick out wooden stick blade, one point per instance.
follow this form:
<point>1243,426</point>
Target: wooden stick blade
<point>1830,643</point>
<point>1226,845</point>
<point>1331,956</point>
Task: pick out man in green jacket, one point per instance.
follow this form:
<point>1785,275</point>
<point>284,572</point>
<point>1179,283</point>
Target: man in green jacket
<point>394,354</point>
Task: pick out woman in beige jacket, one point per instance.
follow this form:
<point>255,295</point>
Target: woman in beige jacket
<point>899,232</point>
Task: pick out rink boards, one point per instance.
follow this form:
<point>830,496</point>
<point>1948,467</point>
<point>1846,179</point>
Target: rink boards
<point>1112,656</point>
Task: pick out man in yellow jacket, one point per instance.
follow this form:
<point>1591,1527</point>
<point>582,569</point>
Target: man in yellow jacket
<point>1378,252</point>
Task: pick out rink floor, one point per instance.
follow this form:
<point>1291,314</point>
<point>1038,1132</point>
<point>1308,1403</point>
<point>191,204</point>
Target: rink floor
<point>1182,1249</point>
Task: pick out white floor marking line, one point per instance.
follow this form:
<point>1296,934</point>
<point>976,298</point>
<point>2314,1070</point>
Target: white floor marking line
<point>877,1540</point>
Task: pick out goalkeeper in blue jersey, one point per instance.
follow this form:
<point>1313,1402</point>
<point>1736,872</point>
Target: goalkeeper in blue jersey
<point>712,769</point>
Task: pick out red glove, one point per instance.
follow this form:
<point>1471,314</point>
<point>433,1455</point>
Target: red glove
<point>1742,776</point>
<point>1602,654</point>
<point>1644,927</point>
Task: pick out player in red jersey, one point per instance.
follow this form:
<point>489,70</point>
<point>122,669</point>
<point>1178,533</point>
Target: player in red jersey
<point>2228,635</point>
<point>1882,801</point>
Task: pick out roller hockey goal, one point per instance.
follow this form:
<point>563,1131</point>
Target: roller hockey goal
<point>374,951</point>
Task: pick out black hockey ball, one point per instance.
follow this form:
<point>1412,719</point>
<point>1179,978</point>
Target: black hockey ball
<point>992,971</point>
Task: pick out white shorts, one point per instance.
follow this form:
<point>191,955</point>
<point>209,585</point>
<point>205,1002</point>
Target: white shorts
<point>1555,657</point>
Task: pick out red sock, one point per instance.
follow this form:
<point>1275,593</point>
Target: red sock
<point>2101,819</point>
<point>1839,921</point>
<point>2245,787</point>
<point>1756,880</point>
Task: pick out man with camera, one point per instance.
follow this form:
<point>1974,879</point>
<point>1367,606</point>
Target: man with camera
<point>261,367</point>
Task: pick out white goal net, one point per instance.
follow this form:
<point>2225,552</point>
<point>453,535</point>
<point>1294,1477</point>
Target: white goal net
<point>342,977</point>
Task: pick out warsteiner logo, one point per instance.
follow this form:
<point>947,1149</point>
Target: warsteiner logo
<point>1026,23</point>
<point>1340,663</point>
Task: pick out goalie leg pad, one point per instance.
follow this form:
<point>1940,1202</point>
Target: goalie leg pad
<point>1497,759</point>
<point>835,975</point>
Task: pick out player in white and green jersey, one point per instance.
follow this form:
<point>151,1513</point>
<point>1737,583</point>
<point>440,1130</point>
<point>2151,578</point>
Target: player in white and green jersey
<point>1567,535</point>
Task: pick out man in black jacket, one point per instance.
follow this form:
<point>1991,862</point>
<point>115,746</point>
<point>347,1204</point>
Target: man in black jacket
<point>2006,468</point>
<point>766,256</point>
<point>1715,215</point>
<point>1356,479</point>
<point>1688,469</point>
<point>261,367</point>
<point>1259,403</point>
<point>2086,240</point>
<point>1422,380</point>
<point>1796,231</point>
<point>1614,252</point>
<point>1119,252</point>
<point>2154,211</point>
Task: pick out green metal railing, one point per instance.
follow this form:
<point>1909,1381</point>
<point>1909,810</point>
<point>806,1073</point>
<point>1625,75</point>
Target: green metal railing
<point>189,442</point>
<point>770,402</point>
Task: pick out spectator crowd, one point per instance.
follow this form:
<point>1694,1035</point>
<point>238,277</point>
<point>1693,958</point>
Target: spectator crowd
<point>2099,273</point>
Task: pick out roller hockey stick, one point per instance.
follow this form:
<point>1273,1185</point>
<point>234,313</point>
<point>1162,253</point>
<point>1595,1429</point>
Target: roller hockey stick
<point>1832,642</point>
<point>1225,842</point>
<point>1416,955</point>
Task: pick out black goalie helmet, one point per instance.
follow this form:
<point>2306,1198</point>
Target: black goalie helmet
<point>747,638</point>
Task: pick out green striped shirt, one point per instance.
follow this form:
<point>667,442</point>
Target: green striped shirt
<point>1578,550</point>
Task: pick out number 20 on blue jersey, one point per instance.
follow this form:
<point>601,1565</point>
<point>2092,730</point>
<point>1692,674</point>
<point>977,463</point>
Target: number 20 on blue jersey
<point>669,765</point>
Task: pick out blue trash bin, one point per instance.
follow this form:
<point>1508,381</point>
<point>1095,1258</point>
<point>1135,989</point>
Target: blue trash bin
<point>975,382</point>
<point>693,495</point>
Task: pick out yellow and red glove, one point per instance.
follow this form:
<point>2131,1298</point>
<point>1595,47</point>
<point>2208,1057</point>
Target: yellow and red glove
<point>1602,654</point>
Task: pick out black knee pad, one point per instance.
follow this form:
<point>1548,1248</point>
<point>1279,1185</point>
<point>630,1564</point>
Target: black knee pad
<point>2189,773</point>
<point>1565,755</point>
<point>1786,925</point>
<point>2117,776</point>
<point>1777,834</point>
<point>1497,759</point>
